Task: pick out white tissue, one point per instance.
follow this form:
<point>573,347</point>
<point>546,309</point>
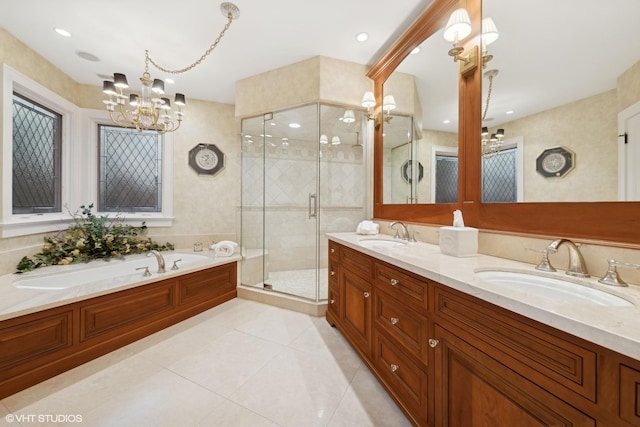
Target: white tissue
<point>224,248</point>
<point>457,218</point>
<point>367,227</point>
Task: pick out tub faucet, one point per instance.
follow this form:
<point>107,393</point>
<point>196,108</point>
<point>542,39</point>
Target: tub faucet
<point>577,266</point>
<point>160,260</point>
<point>404,228</point>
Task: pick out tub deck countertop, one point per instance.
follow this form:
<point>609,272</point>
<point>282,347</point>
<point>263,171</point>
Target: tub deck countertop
<point>16,302</point>
<point>615,328</point>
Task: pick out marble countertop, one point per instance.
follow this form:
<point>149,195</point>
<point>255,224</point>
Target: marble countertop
<point>613,327</point>
<point>16,302</point>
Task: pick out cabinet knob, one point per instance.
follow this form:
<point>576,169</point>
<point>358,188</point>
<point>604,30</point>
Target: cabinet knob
<point>333,273</point>
<point>367,294</point>
<point>394,320</point>
<point>395,282</point>
<point>394,367</point>
<point>433,342</point>
<point>333,301</point>
<point>333,251</point>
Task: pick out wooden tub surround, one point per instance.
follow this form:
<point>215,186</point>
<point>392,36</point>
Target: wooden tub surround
<point>42,344</point>
<point>452,354</point>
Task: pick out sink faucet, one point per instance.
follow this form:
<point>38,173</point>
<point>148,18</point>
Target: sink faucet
<point>160,260</point>
<point>404,228</point>
<point>577,266</point>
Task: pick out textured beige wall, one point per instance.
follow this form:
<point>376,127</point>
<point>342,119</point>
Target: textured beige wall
<point>587,127</point>
<point>629,87</point>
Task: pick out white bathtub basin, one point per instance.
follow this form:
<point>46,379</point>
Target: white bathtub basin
<point>64,277</point>
<point>551,287</point>
<point>381,243</point>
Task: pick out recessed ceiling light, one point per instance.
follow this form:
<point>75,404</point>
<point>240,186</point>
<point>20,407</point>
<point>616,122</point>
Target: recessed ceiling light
<point>446,122</point>
<point>169,80</point>
<point>87,56</point>
<point>362,37</point>
<point>294,125</point>
<point>62,32</point>
<point>415,50</point>
<point>510,112</point>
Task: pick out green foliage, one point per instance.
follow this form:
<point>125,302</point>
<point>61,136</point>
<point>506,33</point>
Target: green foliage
<point>91,237</point>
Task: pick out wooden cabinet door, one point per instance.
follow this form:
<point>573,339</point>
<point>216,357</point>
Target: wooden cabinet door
<point>356,310</point>
<point>474,390</point>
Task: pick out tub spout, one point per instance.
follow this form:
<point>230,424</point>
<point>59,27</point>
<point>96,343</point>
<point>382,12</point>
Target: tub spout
<point>160,260</point>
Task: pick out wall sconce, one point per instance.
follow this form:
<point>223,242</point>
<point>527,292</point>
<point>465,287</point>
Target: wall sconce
<point>388,104</point>
<point>489,35</point>
<point>369,102</point>
<point>458,28</point>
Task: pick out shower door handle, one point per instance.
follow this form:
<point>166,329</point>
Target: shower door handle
<point>313,205</point>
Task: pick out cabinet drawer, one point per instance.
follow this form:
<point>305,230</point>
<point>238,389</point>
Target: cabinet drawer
<point>402,324</point>
<point>545,355</point>
<point>333,272</point>
<point>630,395</point>
<point>333,300</point>
<point>405,287</point>
<point>334,250</point>
<point>357,262</point>
<point>405,379</point>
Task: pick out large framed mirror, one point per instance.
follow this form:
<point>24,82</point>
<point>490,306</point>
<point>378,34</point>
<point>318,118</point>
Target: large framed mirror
<point>574,174</point>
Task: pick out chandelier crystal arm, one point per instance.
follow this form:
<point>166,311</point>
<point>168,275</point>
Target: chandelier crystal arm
<point>232,13</point>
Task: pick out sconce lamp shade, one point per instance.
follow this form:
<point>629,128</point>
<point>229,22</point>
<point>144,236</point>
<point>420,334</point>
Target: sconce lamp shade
<point>324,139</point>
<point>368,100</point>
<point>500,133</point>
<point>349,116</point>
<point>485,131</point>
<point>120,80</point>
<point>489,31</point>
<point>458,27</point>
<point>180,99</point>
<point>108,87</point>
<point>335,140</point>
<point>158,86</point>
<point>388,103</point>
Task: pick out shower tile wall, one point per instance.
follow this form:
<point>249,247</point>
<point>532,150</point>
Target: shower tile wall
<point>290,175</point>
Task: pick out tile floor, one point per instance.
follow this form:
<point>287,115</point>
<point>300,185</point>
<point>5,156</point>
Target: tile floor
<point>240,364</point>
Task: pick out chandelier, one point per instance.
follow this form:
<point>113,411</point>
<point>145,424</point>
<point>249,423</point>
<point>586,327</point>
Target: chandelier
<point>149,110</point>
<point>491,143</point>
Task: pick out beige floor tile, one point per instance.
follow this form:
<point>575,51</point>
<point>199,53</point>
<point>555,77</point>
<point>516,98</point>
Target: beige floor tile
<point>367,404</point>
<point>278,325</point>
<point>295,389</point>
<point>225,364</point>
<point>230,414</point>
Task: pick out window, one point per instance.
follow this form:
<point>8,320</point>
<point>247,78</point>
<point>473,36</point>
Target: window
<point>499,177</point>
<point>37,143</point>
<point>446,179</point>
<point>130,170</point>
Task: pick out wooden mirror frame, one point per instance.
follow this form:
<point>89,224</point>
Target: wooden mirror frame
<point>609,223</point>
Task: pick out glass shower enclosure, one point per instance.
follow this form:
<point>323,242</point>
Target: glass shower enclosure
<point>303,175</point>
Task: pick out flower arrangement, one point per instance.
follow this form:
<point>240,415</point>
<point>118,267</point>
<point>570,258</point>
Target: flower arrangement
<point>91,237</point>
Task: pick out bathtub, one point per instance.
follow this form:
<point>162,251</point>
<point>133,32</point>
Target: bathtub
<point>114,270</point>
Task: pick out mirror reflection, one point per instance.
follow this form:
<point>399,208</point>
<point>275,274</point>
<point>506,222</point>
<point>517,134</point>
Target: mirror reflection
<point>420,142</point>
<point>561,86</point>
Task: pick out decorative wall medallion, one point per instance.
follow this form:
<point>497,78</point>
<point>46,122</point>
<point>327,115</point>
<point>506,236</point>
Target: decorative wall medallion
<point>407,173</point>
<point>206,159</point>
<point>555,162</point>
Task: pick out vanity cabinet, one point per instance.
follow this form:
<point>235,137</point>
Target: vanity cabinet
<point>451,359</point>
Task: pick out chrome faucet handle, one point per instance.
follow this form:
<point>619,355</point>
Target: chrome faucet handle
<point>611,277</point>
<point>175,264</point>
<point>412,237</point>
<point>545,264</point>
<point>146,271</point>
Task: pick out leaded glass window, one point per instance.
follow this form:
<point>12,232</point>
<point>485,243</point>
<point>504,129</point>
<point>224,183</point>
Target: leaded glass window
<point>499,177</point>
<point>130,170</point>
<point>37,142</point>
<point>446,179</point>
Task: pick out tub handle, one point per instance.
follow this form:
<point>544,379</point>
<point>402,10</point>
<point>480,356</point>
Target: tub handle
<point>146,271</point>
<point>175,264</point>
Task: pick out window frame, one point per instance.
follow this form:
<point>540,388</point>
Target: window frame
<point>79,157</point>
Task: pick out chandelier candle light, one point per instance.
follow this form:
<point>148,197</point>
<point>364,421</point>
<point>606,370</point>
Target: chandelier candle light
<point>149,110</point>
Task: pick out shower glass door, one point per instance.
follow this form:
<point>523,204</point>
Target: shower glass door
<point>303,175</point>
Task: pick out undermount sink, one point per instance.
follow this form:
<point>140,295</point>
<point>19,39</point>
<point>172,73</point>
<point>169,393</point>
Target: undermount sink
<point>551,287</point>
<point>381,243</point>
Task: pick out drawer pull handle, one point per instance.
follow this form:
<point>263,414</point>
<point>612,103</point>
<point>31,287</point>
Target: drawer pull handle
<point>394,320</point>
<point>333,273</point>
<point>333,301</point>
<point>395,282</point>
<point>333,251</point>
<point>394,367</point>
<point>433,342</point>
<point>367,294</point>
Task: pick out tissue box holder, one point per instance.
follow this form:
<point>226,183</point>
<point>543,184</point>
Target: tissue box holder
<point>459,241</point>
